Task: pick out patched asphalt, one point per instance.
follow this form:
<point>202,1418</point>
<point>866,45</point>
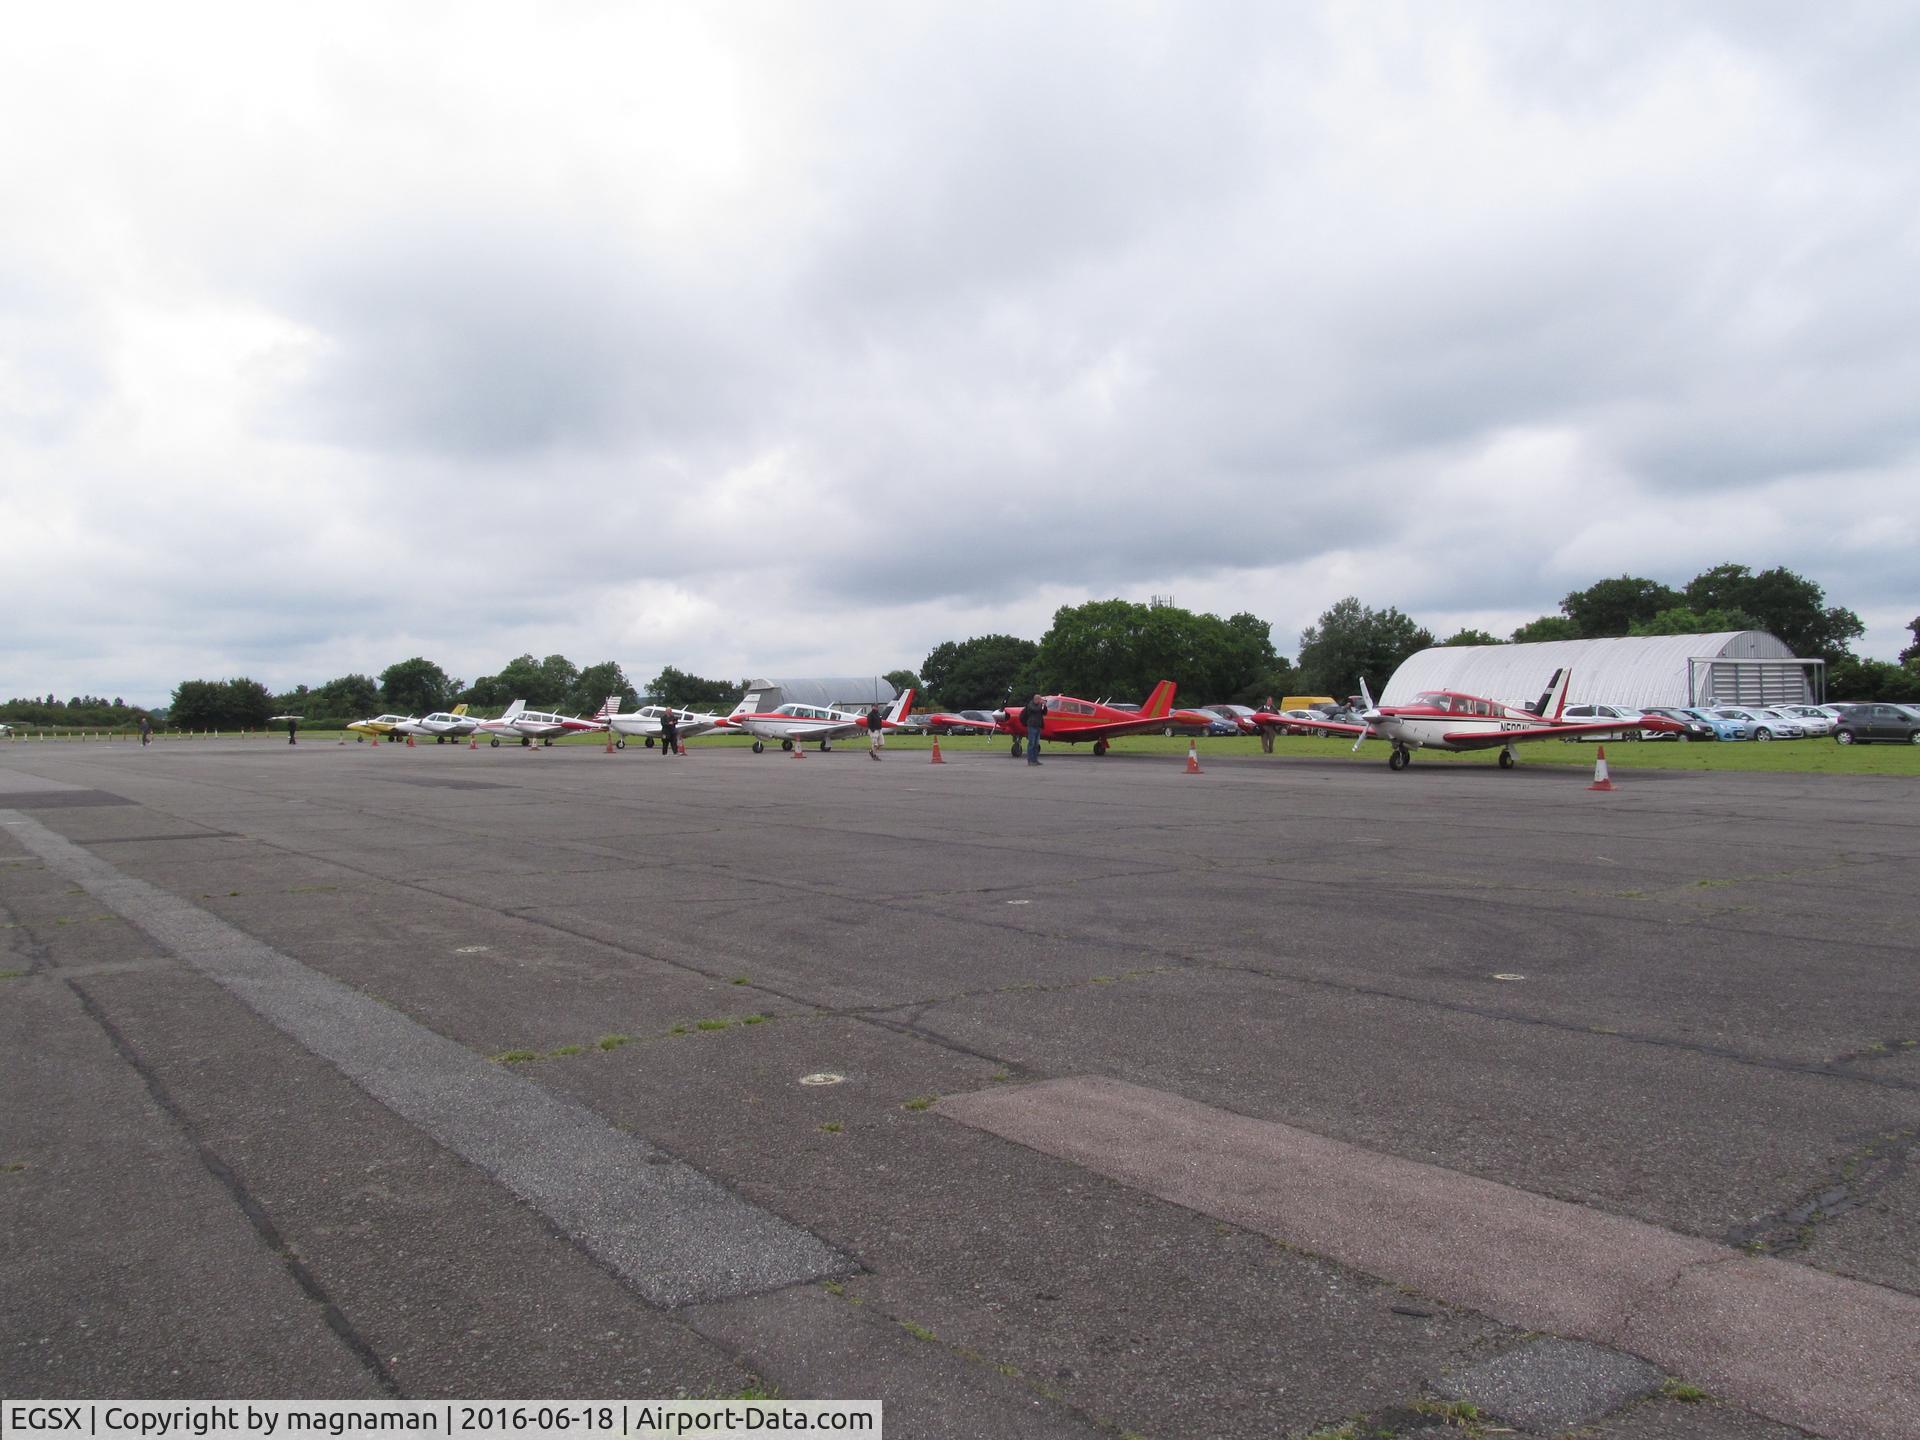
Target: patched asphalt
<point>1602,1000</point>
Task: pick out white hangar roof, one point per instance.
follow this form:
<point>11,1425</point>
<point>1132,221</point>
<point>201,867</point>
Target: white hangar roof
<point>1637,670</point>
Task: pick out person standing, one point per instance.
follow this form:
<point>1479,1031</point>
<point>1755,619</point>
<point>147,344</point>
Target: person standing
<point>293,725</point>
<point>146,730</point>
<point>669,732</point>
<point>876,732</point>
<point>1266,731</point>
<point>1034,716</point>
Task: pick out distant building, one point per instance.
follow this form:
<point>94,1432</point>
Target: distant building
<point>840,691</point>
<point>1737,667</point>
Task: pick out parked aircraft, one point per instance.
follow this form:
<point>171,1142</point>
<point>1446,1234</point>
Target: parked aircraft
<point>442,725</point>
<point>644,723</point>
<point>380,726</point>
<point>1070,721</point>
<point>795,724</point>
<point>1445,720</point>
<point>541,725</point>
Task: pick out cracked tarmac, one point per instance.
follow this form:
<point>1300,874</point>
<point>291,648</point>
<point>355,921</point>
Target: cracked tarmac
<point>1591,1000</point>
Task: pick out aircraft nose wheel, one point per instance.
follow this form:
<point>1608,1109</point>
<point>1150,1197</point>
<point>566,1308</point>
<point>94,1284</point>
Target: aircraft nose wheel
<point>786,744</point>
<point>1399,759</point>
<point>758,747</point>
<point>619,744</point>
<point>1506,759</point>
<point>495,742</point>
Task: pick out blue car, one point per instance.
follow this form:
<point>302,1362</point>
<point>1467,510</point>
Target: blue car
<point>1725,727</point>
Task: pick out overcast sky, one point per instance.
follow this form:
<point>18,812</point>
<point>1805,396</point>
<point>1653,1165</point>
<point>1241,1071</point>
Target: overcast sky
<point>797,338</point>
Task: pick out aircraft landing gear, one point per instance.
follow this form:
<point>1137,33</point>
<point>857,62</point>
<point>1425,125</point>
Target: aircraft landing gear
<point>757,746</point>
<point>1400,758</point>
<point>1016,749</point>
<point>649,742</point>
<point>619,744</point>
<point>1100,747</point>
<point>547,741</point>
<point>786,744</point>
<point>824,747</point>
<point>1506,759</point>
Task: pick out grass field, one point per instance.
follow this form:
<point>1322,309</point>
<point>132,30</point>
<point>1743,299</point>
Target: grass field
<point>1812,757</point>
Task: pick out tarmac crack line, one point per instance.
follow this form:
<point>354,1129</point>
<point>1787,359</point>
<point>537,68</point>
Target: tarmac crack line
<point>243,1199</point>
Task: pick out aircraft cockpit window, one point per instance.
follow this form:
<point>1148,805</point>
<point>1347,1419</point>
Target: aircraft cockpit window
<point>1436,702</point>
<point>1077,707</point>
<point>1055,704</point>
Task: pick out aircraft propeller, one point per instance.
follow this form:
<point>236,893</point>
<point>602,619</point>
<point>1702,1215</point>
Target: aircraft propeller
<point>1367,716</point>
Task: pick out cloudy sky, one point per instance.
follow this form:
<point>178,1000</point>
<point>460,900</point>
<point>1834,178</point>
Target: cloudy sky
<point>797,338</point>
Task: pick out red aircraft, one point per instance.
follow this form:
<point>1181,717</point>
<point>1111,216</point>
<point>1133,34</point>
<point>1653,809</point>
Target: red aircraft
<point>1070,721</point>
<point>1447,720</point>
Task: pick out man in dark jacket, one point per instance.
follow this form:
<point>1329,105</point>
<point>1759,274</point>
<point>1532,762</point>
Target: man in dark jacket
<point>669,732</point>
<point>1034,716</point>
<point>876,732</point>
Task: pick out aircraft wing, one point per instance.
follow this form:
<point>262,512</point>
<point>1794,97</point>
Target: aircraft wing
<point>1326,727</point>
<point>1494,739</point>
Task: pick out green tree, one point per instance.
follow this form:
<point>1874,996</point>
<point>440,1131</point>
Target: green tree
<point>692,692</point>
<point>416,687</point>
<point>976,674</point>
<point>1471,637</point>
<point>1611,606</point>
<point>595,684</point>
<point>196,705</point>
<point>1547,627</point>
<point>1119,649</point>
<point>1908,656</point>
<point>1787,605</point>
<point>904,680</point>
<point>1855,679</point>
<point>1352,643</point>
<point>1684,620</point>
<point>246,703</point>
<point>522,678</point>
<point>350,697</point>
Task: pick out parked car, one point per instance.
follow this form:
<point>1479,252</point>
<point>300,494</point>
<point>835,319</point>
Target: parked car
<point>961,722</point>
<point>1723,728</point>
<point>1779,712</point>
<point>1239,716</point>
<point>1863,724</point>
<point>1693,727</point>
<point>1587,714</point>
<point>1816,720</point>
<point>1761,726</point>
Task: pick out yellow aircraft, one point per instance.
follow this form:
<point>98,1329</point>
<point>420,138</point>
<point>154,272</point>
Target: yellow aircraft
<point>380,727</point>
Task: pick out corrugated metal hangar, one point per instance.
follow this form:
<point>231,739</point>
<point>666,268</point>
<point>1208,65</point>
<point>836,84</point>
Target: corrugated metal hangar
<point>840,691</point>
<point>1736,667</point>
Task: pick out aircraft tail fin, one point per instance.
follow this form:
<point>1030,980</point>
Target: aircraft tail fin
<point>1555,699</point>
<point>608,708</point>
<point>747,706</point>
<point>514,709</point>
<point>461,708</point>
<point>900,707</point>
<point>1159,704</point>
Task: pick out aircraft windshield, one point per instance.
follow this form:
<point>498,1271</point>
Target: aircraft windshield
<point>1434,700</point>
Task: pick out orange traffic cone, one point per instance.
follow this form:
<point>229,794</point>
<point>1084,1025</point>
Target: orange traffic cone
<point>1193,759</point>
<point>473,741</point>
<point>609,741</point>
<point>376,737</point>
<point>409,742</point>
<point>799,751</point>
<point>936,751</point>
<point>1600,780</point>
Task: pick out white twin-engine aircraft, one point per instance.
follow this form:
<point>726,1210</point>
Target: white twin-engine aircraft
<point>644,723</point>
<point>442,725</point>
<point>1447,720</point>
<point>527,726</point>
<point>795,724</point>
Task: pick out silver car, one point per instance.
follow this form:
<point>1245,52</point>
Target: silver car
<point>1762,724</point>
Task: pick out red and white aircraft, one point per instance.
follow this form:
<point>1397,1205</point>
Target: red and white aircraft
<point>795,724</point>
<point>1447,720</point>
<point>530,725</point>
<point>644,723</point>
<point>1070,721</point>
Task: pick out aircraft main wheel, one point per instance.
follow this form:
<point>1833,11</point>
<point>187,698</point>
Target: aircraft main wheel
<point>1016,749</point>
<point>824,747</point>
<point>1506,759</point>
<point>546,742</point>
<point>758,747</point>
<point>1399,760</point>
<point>649,742</point>
<point>495,742</point>
<point>786,744</point>
<point>619,744</point>
<point>1168,732</point>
